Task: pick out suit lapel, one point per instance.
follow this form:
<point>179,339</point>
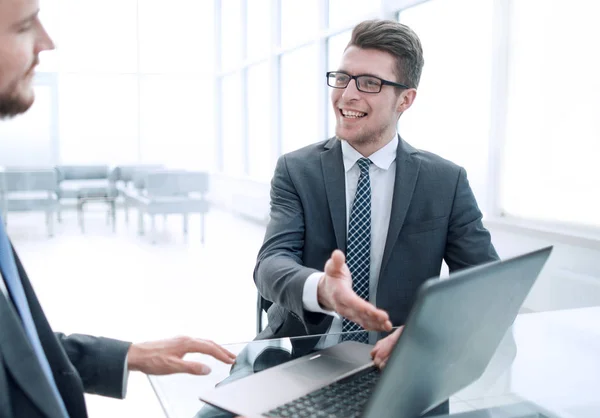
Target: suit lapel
<point>335,186</point>
<point>5,407</point>
<point>22,362</point>
<point>407,171</point>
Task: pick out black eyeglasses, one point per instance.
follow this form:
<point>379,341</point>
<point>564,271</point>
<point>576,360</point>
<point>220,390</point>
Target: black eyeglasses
<point>364,83</point>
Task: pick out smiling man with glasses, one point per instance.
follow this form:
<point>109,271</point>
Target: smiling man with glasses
<point>360,220</point>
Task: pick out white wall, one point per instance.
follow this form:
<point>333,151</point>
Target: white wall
<point>242,196</point>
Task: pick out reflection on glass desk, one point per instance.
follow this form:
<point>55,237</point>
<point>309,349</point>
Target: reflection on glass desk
<point>549,360</point>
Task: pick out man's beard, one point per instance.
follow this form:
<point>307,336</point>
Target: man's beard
<point>12,104</point>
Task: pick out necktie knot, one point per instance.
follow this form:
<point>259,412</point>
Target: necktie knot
<point>364,164</point>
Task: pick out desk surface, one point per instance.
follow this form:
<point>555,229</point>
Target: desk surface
<point>551,359</point>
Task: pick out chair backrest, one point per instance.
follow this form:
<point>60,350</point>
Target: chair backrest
<point>174,183</point>
<point>27,180</point>
<point>82,172</point>
<point>127,173</point>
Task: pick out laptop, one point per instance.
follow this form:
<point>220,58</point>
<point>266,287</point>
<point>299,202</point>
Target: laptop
<point>450,336</point>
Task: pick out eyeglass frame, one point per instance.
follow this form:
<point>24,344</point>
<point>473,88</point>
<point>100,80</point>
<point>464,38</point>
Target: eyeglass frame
<point>355,77</point>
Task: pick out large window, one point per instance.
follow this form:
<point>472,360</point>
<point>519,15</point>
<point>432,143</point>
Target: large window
<point>27,139</point>
<point>98,121</point>
<point>172,111</point>
<point>177,38</point>
<point>451,114</point>
<point>300,98</point>
<point>260,150</point>
<point>299,21</point>
<point>550,165</point>
<point>133,81</point>
<point>349,12</point>
<point>259,28</point>
<point>93,38</point>
<point>234,150</point>
<point>336,46</point>
<point>231,34</point>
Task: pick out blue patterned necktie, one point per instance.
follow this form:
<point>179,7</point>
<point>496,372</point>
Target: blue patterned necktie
<point>15,287</point>
<point>358,254</point>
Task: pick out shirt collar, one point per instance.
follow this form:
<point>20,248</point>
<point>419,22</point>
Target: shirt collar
<point>382,158</point>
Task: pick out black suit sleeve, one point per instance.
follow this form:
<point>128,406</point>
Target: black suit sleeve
<point>100,362</point>
<point>468,242</point>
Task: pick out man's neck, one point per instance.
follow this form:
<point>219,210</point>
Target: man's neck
<point>370,148</point>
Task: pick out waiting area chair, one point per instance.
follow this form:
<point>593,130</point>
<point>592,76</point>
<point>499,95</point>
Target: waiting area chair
<point>123,178</point>
<point>26,190</point>
<point>86,183</point>
<point>170,192</point>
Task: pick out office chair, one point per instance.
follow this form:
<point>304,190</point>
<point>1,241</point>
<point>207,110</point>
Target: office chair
<point>261,305</point>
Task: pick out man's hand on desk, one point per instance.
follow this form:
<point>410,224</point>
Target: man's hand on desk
<point>335,293</point>
<point>166,356</point>
<point>382,350</point>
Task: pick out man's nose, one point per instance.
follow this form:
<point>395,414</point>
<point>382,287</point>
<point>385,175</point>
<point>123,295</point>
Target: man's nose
<point>351,91</point>
<point>44,42</point>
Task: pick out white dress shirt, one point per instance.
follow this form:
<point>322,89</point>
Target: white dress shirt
<point>382,174</point>
<point>3,286</point>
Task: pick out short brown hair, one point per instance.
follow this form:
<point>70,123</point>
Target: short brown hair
<point>396,39</point>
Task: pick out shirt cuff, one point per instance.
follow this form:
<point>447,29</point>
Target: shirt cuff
<point>125,378</point>
<point>309,295</point>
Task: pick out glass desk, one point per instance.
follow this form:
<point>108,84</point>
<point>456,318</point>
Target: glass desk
<point>549,362</point>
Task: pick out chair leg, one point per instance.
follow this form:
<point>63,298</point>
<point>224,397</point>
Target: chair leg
<point>80,215</point>
<point>140,222</point>
<point>153,228</point>
<point>113,215</point>
<point>126,208</point>
<point>50,224</point>
<point>202,228</point>
<point>185,223</point>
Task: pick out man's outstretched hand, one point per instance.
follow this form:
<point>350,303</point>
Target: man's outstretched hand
<point>166,356</point>
<point>335,294</point>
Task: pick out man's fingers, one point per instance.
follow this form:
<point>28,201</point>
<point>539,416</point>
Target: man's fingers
<point>212,349</point>
<point>334,267</point>
<point>363,313</point>
<point>192,367</point>
<point>338,258</point>
<point>375,351</point>
<point>366,322</point>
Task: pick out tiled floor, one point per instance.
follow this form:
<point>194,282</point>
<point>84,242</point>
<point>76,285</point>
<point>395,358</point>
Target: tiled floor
<point>120,285</point>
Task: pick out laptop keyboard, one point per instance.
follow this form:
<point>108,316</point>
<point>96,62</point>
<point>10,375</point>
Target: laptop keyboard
<point>345,398</point>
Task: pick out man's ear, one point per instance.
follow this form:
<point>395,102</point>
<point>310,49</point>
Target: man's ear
<point>406,99</point>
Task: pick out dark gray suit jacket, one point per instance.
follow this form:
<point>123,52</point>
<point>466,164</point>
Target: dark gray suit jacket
<point>434,217</point>
<point>78,362</point>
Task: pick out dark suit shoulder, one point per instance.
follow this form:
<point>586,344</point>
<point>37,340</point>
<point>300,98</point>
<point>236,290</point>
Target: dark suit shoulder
<point>433,163</point>
<point>308,152</point>
<point>430,159</point>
